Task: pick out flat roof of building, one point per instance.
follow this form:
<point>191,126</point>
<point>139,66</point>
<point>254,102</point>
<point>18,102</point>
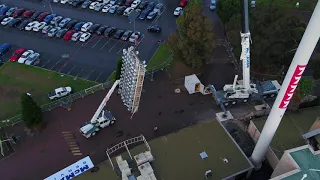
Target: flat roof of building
<point>177,155</point>
<point>290,131</point>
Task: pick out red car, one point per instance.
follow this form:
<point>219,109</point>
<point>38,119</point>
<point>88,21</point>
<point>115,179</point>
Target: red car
<point>183,3</point>
<point>18,12</point>
<point>42,16</point>
<point>28,14</point>
<point>128,3</point>
<point>68,35</point>
<point>17,54</point>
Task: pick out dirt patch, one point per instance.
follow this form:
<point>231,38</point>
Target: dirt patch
<point>180,70</point>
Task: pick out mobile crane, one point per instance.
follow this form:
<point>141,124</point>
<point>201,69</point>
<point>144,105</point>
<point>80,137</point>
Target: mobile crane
<point>241,91</point>
<point>101,118</point>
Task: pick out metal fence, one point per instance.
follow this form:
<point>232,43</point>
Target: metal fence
<point>65,102</point>
<point>160,67</point>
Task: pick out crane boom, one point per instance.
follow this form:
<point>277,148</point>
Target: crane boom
<point>104,102</point>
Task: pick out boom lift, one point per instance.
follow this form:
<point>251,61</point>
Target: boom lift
<point>101,118</point>
<point>241,91</point>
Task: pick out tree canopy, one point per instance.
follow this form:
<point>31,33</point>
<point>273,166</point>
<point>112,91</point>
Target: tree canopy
<point>193,40</point>
<point>31,112</point>
<point>305,87</point>
<point>118,70</point>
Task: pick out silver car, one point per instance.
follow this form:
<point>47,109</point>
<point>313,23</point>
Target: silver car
<point>46,29</point>
<point>33,59</point>
<point>53,31</point>
<point>64,22</point>
<point>56,19</point>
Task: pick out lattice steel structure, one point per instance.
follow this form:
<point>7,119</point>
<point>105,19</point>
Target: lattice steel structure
<point>131,79</point>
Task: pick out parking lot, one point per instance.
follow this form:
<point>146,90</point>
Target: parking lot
<point>95,59</point>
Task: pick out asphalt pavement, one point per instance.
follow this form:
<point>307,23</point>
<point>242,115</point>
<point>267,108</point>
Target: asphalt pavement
<point>95,59</point>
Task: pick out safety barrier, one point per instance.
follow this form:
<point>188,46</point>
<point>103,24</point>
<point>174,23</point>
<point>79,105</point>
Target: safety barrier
<point>65,102</point>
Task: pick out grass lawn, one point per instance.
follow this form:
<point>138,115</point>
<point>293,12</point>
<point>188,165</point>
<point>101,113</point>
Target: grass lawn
<point>303,4</point>
<point>160,56</point>
<point>18,78</point>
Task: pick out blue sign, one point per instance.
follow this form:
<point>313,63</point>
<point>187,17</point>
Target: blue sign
<point>248,58</point>
<point>73,170</point>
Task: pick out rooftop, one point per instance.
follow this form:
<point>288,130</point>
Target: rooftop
<point>177,156</point>
<point>290,131</point>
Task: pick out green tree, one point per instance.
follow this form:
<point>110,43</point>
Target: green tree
<point>305,87</point>
<point>193,41</point>
<point>31,112</point>
<point>227,8</point>
<point>118,70</point>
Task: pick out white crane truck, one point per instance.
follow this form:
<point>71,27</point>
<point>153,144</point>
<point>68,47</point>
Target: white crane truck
<point>241,91</point>
<point>101,118</point>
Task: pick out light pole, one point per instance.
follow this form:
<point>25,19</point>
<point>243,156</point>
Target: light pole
<point>55,22</point>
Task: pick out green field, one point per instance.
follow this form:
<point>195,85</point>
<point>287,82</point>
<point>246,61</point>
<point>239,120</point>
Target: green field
<point>303,4</point>
<point>18,78</point>
<point>159,57</point>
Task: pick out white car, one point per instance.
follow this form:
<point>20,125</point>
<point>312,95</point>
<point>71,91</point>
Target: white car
<point>106,8</point>
<point>178,11</point>
<point>113,2</point>
<point>76,36</point>
<point>135,3</point>
<point>106,1</point>
<point>128,11</point>
<point>63,1</point>
<point>92,5</point>
<point>24,56</point>
<point>39,26</point>
<point>33,59</point>
<point>56,1</point>
<point>86,26</point>
<point>46,29</point>
<point>85,36</point>
<point>30,26</point>
<point>134,37</point>
<point>99,6</point>
<point>56,19</point>
<point>6,21</point>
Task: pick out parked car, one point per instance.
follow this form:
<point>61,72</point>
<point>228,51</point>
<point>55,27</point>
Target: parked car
<point>113,2</point>
<point>154,28</point>
<point>68,35</point>
<point>126,35</point>
<point>42,16</point>
<point>121,9</point>
<point>4,48</point>
<point>71,24</point>
<point>76,36</point>
<point>46,29</point>
<point>56,1</point>
<point>39,26</point>
<point>35,15</point>
<point>86,4</point>
<point>135,3</point>
<point>178,11</point>
<point>158,8</point>
<point>24,56</point>
<point>144,14</point>
<point>15,22</point>
<point>150,6</point>
<point>17,54</point>
<point>28,14</point>
<point>212,5</point>
<point>128,11</point>
<point>152,15</point>
<point>24,24</point>
<point>118,34</point>
<point>59,92</point>
<point>33,59</point>
<point>53,31</point>
<point>78,26</point>
<point>86,26</point>
<point>106,8</point>
<point>18,12</point>
<point>183,3</point>
<point>109,31</point>
<point>77,3</point>
<point>30,26</point>
<point>2,17</point>
<point>136,36</point>
<point>61,33</point>
<point>92,5</point>
<point>49,18</point>
<point>6,21</point>
<point>113,9</point>
<point>64,22</point>
<point>93,28</point>
<point>121,2</point>
<point>101,29</point>
<point>4,9</point>
<point>143,5</point>
<point>11,11</point>
<point>85,36</point>
<point>99,6</point>
<point>56,19</point>
<point>128,3</point>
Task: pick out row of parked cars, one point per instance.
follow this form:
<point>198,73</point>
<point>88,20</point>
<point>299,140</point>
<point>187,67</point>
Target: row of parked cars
<point>21,55</point>
<point>146,10</point>
<point>57,26</point>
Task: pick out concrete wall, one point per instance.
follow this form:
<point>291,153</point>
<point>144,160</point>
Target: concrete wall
<point>255,134</point>
<point>285,165</point>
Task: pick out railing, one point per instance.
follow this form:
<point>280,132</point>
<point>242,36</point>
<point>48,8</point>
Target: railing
<point>160,67</point>
<point>65,102</point>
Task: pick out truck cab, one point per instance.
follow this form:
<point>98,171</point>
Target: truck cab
<point>59,92</point>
